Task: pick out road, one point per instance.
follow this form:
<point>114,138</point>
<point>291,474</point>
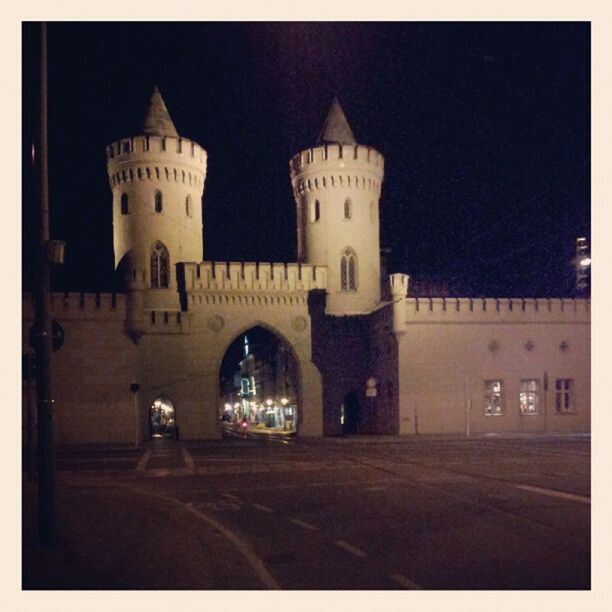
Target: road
<point>376,513</point>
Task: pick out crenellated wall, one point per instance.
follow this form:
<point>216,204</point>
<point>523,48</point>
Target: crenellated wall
<point>450,347</point>
<point>151,150</point>
<point>495,309</point>
<point>99,306</point>
<point>93,369</point>
<point>337,166</point>
<point>249,277</point>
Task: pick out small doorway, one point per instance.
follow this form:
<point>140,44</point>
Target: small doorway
<point>349,414</point>
<point>162,421</point>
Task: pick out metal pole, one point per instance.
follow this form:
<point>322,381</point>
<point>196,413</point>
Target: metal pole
<point>467,408</point>
<point>136,419</point>
<point>44,395</point>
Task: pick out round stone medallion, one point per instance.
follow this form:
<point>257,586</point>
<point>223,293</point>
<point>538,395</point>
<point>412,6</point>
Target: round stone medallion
<point>215,323</point>
<point>299,324</point>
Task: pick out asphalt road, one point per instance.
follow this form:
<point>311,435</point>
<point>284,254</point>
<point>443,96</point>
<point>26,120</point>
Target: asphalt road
<point>377,513</point>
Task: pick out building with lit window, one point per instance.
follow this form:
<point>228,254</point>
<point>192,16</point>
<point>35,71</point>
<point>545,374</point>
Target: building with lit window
<point>364,352</point>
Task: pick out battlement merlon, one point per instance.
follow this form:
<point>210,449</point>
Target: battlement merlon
<point>156,148</point>
<point>352,156</point>
<point>496,310</point>
<point>252,277</point>
<point>95,306</point>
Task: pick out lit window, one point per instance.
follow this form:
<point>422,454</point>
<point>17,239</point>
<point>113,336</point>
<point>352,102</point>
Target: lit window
<point>160,262</point>
<point>125,208</point>
<point>529,396</point>
<point>563,395</point>
<point>348,208</point>
<point>493,397</point>
<point>158,201</point>
<point>348,277</point>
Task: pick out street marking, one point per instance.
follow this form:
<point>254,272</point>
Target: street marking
<point>350,548</point>
<point>553,493</point>
<point>264,508</point>
<point>256,563</point>
<point>142,464</point>
<point>405,582</point>
<point>187,458</point>
<point>232,497</point>
<point>304,524</point>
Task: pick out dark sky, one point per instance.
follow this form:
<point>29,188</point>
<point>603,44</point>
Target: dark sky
<point>485,128</point>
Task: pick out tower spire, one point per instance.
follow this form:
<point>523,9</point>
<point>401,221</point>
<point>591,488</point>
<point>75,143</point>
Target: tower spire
<point>336,128</point>
<point>158,121</point>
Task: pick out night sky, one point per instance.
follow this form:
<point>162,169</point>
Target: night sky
<point>485,128</point>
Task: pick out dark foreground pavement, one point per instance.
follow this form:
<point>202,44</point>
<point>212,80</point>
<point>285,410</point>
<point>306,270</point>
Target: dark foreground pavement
<point>359,513</point>
<point>114,538</point>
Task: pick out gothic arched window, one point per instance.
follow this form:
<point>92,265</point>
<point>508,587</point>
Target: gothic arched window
<point>348,208</point>
<point>125,207</point>
<point>188,206</point>
<point>158,201</point>
<point>160,263</point>
<point>348,273</point>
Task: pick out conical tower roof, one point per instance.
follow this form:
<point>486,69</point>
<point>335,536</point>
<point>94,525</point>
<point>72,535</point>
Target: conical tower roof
<point>158,121</point>
<point>336,128</point>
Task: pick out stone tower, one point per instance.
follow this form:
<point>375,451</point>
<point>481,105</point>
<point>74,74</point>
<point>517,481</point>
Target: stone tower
<point>157,180</point>
<point>337,186</point>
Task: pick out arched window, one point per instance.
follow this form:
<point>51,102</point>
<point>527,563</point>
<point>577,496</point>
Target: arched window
<point>348,208</point>
<point>188,206</point>
<point>348,273</point>
<point>160,262</point>
<point>125,208</point>
<point>158,201</point>
<point>315,211</point>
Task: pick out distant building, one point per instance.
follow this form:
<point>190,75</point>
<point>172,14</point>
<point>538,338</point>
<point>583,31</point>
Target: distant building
<point>394,363</point>
<point>582,264</point>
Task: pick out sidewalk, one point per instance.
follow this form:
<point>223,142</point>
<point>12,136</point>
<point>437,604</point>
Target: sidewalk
<point>114,538</point>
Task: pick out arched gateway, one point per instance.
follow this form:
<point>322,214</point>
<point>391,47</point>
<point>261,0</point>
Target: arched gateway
<point>259,385</point>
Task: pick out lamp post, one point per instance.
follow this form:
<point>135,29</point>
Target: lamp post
<point>284,402</point>
<point>44,389</point>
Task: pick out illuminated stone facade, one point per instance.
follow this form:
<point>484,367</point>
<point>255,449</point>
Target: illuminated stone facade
<point>416,366</point>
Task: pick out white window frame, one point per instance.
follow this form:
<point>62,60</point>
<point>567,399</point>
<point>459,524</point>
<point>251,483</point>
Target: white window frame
<point>529,397</point>
<point>491,408</point>
<point>564,396</point>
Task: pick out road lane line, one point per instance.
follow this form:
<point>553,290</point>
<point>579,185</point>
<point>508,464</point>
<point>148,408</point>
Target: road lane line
<point>553,493</point>
<point>187,458</point>
<point>159,472</point>
<point>142,464</point>
<point>254,561</point>
<point>264,508</point>
<point>232,497</point>
<point>350,548</point>
<point>304,524</point>
<point>405,582</point>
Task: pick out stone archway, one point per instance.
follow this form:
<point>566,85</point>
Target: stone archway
<point>162,419</point>
<point>259,385</point>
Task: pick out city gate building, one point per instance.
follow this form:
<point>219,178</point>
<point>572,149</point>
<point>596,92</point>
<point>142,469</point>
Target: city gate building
<point>369,357</point>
